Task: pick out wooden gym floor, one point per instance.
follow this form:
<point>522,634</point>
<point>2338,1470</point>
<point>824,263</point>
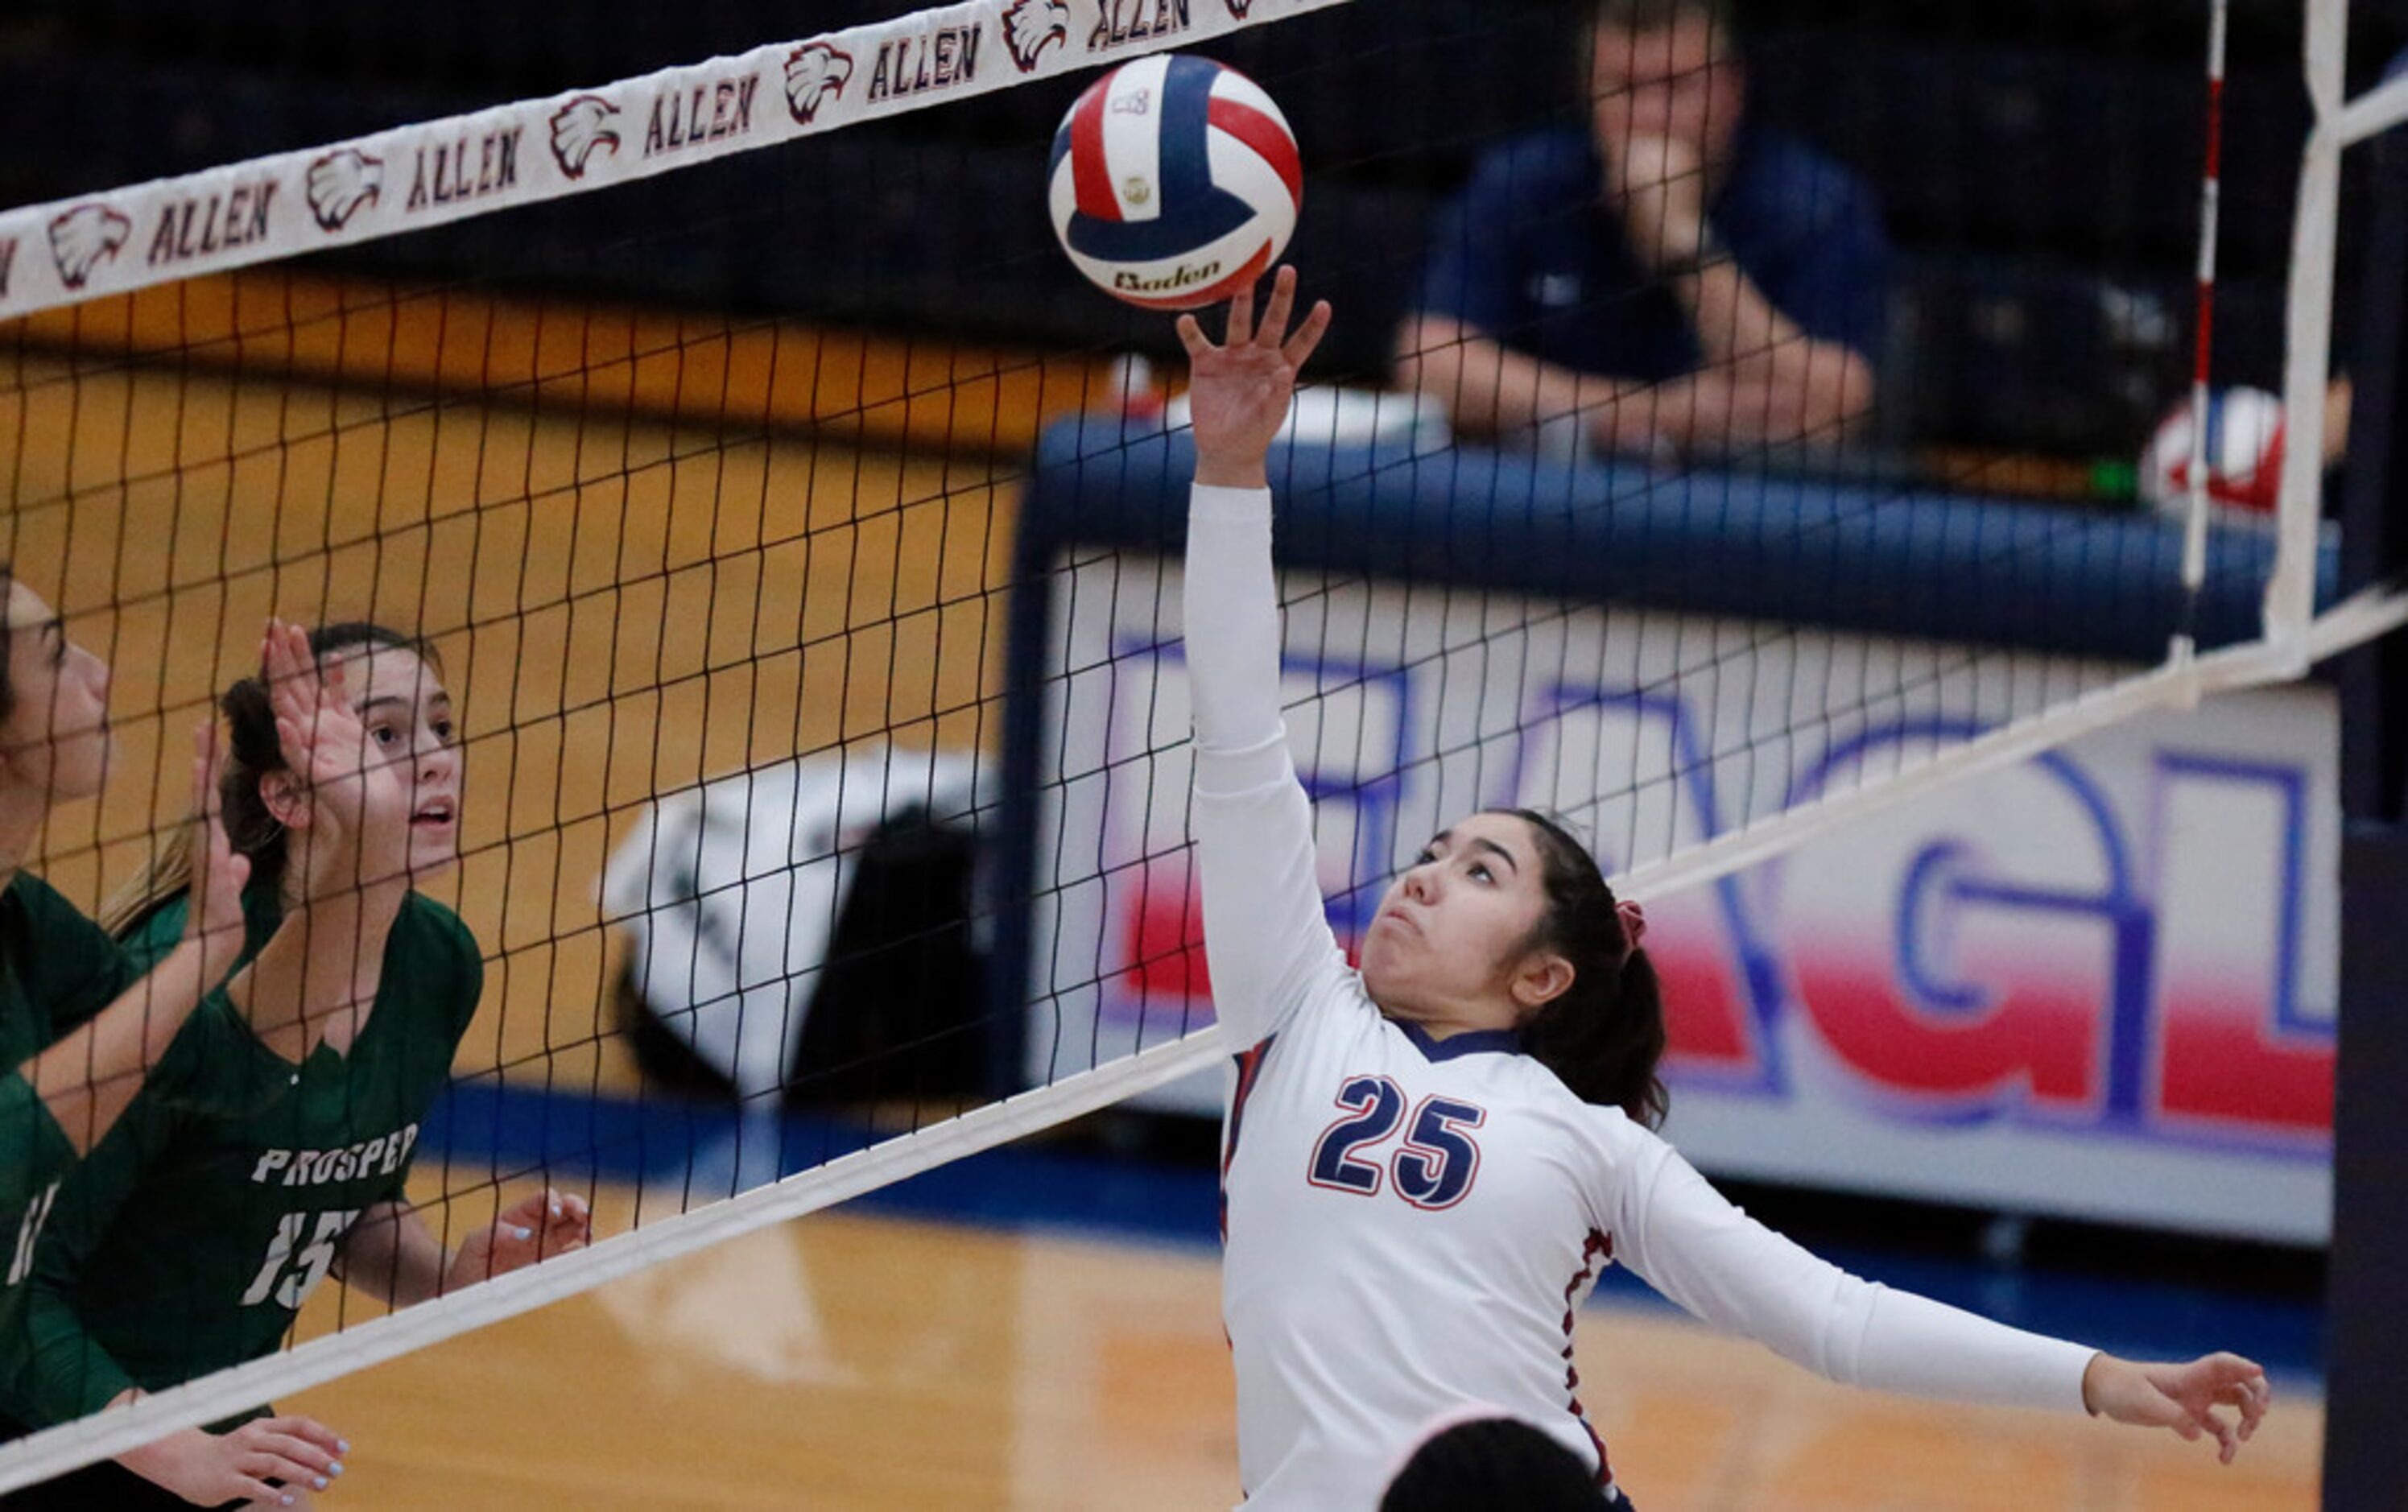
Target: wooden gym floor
<point>857,1361</point>
<point>631,590</point>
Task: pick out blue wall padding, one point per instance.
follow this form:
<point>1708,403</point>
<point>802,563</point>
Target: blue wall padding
<point>1843,553</point>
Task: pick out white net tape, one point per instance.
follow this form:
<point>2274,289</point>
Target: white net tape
<point>426,173</point>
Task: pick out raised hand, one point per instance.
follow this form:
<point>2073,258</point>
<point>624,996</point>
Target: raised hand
<point>2185,1398</point>
<point>1237,393</point>
<point>354,826</point>
<point>214,917</point>
<point>538,1227</point>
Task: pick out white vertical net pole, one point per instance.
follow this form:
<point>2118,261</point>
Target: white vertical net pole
<point>2291,594</point>
<point>2194,561</point>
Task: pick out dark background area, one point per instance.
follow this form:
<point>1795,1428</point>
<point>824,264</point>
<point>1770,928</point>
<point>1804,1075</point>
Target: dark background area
<point>2039,162</point>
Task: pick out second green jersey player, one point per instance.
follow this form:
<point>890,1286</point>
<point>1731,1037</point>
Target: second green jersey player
<point>79,1020</point>
<point>57,970</point>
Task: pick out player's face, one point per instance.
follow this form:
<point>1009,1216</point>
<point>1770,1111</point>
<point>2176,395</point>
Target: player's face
<point>55,738</point>
<point>1683,82</point>
<point>408,714</point>
<point>1452,931</point>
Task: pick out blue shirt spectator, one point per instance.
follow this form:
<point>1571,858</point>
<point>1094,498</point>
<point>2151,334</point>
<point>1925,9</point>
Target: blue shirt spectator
<point>1670,279</point>
<point>1531,253</point>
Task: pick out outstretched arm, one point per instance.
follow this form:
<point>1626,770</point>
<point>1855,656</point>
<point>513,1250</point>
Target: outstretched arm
<point>88,1077</point>
<point>1264,935</point>
<point>1689,1242</point>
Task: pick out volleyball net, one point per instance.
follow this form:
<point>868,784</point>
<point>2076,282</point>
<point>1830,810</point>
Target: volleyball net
<point>796,537</point>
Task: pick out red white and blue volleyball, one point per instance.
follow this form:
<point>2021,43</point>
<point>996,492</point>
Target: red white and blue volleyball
<point>2243,449</point>
<point>1175,182</point>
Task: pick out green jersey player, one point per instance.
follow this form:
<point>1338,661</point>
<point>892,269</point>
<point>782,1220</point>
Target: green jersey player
<point>270,1149</point>
<point>80,1021</point>
<point>78,1017</point>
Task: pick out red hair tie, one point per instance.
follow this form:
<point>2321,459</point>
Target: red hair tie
<point>1634,922</point>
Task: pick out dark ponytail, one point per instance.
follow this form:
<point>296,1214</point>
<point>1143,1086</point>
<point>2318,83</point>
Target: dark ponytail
<point>252,752</point>
<point>1604,1034</point>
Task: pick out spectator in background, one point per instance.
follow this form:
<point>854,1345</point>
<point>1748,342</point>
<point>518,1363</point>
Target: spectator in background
<point>1673,278</point>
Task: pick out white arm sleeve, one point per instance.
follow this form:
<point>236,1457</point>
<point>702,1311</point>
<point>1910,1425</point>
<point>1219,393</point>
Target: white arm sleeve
<point>1688,1242</point>
<point>1267,942</point>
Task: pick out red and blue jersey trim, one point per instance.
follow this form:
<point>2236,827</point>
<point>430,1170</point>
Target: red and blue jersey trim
<point>1596,1254</point>
<point>1249,1071</point>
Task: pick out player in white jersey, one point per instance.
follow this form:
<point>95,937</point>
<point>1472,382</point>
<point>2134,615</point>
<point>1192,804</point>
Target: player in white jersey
<point>1428,1161</point>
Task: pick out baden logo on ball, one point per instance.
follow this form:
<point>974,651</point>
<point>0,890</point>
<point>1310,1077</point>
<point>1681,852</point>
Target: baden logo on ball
<point>1175,181</point>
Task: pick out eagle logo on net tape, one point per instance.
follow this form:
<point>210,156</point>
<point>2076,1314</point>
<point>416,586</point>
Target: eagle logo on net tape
<point>816,73</point>
<point>578,129</point>
<point>339,183</point>
<point>1030,26</point>
<point>84,238</point>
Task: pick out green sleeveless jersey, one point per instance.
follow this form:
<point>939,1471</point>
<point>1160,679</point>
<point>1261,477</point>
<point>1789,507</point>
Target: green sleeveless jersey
<point>192,1234</point>
<point>57,970</point>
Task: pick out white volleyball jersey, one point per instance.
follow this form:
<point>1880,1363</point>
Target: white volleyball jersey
<point>1412,1225</point>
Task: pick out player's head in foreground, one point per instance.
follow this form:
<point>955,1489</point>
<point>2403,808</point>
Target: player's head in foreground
<point>1493,1462</point>
<point>1665,71</point>
<point>53,709</point>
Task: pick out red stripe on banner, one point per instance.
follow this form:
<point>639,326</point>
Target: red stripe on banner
<point>1197,298</point>
<point>1090,176</point>
<point>2210,174</point>
<point>1266,136</point>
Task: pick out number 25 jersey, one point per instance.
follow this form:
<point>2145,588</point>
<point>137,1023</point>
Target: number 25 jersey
<point>1411,1224</point>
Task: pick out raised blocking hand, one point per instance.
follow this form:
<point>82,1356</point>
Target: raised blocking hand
<point>214,915</point>
<point>1238,392</point>
<point>352,817</point>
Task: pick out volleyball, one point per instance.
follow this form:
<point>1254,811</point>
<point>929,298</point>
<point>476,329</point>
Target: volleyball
<point>1175,182</point>
<point>2243,451</point>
